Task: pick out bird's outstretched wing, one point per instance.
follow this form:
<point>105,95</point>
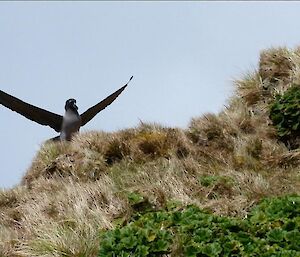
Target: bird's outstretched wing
<point>91,112</point>
<point>31,112</point>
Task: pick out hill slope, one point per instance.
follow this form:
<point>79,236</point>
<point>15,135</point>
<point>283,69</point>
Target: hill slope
<point>224,162</point>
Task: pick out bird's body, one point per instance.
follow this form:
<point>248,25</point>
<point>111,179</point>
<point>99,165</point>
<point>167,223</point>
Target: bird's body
<point>71,124</point>
<point>66,125</point>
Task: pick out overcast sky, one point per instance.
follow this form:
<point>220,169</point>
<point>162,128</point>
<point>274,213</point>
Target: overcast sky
<point>183,56</point>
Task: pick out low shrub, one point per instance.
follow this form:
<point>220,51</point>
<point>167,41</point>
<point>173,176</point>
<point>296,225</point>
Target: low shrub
<point>285,115</point>
<point>272,229</point>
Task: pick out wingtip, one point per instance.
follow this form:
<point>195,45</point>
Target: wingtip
<point>128,81</point>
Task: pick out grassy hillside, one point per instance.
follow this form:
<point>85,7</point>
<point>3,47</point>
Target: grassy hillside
<point>223,163</point>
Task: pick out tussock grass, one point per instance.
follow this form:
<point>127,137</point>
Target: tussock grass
<point>225,162</point>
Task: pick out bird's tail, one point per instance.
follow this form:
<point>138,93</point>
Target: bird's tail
<point>54,139</point>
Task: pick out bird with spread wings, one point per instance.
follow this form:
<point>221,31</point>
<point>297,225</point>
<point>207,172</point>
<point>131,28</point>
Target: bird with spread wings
<point>66,125</point>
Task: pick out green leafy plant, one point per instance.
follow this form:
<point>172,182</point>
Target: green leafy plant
<point>208,180</point>
<point>272,229</point>
<point>212,180</point>
<point>138,202</point>
<point>285,113</point>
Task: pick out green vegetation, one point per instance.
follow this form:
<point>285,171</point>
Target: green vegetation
<point>285,114</point>
<point>272,229</point>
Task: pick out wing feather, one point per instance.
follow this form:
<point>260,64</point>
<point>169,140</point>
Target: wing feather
<point>31,112</point>
<point>92,112</point>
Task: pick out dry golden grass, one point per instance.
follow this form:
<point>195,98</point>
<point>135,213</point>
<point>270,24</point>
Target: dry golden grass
<point>226,162</point>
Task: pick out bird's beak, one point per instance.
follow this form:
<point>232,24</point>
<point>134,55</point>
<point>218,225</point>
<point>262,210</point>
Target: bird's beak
<point>75,106</point>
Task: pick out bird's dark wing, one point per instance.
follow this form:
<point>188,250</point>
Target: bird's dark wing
<point>31,112</point>
<point>91,112</point>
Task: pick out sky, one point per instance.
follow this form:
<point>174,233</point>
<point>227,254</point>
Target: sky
<point>184,57</point>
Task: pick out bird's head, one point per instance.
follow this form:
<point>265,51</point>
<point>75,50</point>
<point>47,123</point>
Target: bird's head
<point>71,104</point>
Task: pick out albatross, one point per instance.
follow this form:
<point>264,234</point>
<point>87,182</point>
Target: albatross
<point>66,125</point>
